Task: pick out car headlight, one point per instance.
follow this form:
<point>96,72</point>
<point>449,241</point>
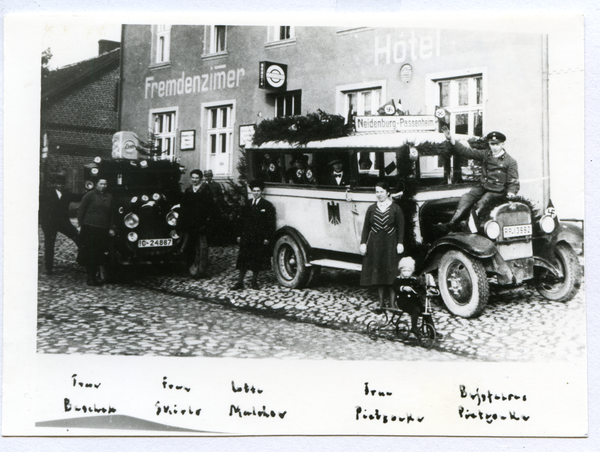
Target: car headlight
<point>131,220</point>
<point>174,234</point>
<point>144,164</point>
<point>156,196</point>
<point>121,210</point>
<point>132,236</point>
<point>145,198</point>
<point>134,200</point>
<point>492,229</point>
<point>89,185</point>
<point>94,171</point>
<point>547,224</point>
<point>97,159</point>
<point>172,218</point>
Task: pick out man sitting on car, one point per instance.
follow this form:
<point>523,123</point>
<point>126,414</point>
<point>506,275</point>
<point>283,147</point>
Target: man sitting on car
<point>499,176</point>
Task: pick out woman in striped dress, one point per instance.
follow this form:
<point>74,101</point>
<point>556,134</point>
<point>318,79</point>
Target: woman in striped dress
<point>382,244</point>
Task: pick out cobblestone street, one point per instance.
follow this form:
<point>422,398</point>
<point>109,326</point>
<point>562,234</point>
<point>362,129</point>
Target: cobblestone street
<point>169,314</point>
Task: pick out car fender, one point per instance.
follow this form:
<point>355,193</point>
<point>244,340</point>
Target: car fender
<point>565,232</point>
<point>472,244</point>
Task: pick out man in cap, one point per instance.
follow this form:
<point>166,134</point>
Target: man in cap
<point>499,176</point>
<point>338,177</point>
<point>215,187</point>
<point>300,173</point>
<point>54,216</point>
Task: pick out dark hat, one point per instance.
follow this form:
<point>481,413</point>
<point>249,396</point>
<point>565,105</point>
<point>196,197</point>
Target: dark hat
<point>208,172</point>
<point>496,137</point>
<point>334,161</point>
<point>59,178</point>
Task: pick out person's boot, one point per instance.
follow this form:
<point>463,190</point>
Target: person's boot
<point>452,225</point>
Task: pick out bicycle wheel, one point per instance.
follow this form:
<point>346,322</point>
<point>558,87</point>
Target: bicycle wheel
<point>428,336</point>
<point>373,329</point>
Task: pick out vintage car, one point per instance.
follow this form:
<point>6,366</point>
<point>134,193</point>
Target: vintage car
<point>146,194</point>
<point>319,223</point>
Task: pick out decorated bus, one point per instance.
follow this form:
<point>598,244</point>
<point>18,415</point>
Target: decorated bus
<point>319,220</point>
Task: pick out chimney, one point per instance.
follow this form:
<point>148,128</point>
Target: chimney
<point>104,45</point>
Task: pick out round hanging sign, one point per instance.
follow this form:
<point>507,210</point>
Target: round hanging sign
<point>406,72</point>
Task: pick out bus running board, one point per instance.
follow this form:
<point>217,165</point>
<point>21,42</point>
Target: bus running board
<point>336,264</point>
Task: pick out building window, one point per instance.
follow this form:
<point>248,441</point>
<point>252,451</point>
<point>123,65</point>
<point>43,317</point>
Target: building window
<point>463,98</point>
<point>288,104</point>
<point>219,129</point>
<point>162,43</point>
<point>281,33</point>
<point>362,102</point>
<point>216,39</point>
<point>164,127</point>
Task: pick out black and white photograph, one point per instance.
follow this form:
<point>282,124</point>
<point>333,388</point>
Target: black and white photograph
<point>369,228</point>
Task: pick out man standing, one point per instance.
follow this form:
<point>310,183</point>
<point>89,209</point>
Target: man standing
<point>95,216</point>
<point>338,177</point>
<point>197,211</point>
<point>499,176</point>
<point>258,228</point>
<point>215,188</point>
<point>54,217</point>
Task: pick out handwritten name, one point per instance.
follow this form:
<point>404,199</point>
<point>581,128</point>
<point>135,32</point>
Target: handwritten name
<point>166,385</point>
<point>245,388</point>
<point>373,391</point>
<point>490,417</point>
<point>166,409</point>
<point>87,408</point>
<point>233,410</point>
<point>489,396</point>
<point>385,418</point>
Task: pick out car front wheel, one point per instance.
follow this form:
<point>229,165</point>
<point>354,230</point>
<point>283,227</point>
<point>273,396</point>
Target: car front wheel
<point>463,284</point>
<point>289,263</point>
<point>565,288</point>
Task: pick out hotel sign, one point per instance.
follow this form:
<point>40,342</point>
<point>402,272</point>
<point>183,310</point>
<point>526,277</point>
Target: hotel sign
<point>395,123</point>
<point>272,76</point>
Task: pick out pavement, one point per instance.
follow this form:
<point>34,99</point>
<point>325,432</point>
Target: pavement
<point>151,308</point>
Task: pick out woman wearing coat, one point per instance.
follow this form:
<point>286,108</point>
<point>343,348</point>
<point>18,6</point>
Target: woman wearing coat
<point>382,244</point>
<point>258,220</point>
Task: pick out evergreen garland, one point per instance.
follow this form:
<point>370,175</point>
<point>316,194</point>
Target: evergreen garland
<point>299,130</point>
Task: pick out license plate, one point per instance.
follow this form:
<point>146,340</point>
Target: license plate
<point>517,231</point>
<point>154,243</point>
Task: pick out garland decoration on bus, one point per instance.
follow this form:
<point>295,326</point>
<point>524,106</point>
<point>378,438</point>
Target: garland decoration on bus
<point>299,130</point>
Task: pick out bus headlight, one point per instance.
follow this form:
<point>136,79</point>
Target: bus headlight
<point>492,229</point>
<point>172,218</point>
<point>132,236</point>
<point>547,224</point>
<point>131,220</point>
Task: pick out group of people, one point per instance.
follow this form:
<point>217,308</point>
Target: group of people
<point>302,173</point>
<point>94,216</point>
<point>385,264</point>
<point>382,240</point>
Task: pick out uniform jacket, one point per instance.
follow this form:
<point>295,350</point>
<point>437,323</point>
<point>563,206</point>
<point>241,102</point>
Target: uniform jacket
<point>499,174</point>
<point>54,210</point>
<point>300,176</point>
<point>197,209</point>
<point>96,209</point>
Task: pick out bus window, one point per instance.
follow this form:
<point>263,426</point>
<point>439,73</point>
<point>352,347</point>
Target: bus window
<point>299,169</point>
<point>268,167</point>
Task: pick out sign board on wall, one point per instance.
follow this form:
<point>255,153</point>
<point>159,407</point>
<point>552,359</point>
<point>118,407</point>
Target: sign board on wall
<point>246,134</point>
<point>188,140</point>
<point>272,76</point>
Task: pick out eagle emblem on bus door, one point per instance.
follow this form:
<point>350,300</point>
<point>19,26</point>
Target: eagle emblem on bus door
<point>333,211</point>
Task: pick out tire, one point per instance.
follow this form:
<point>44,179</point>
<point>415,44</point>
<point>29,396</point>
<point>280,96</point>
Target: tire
<point>463,284</point>
<point>561,289</point>
<point>373,329</point>
<point>289,264</point>
<point>428,336</point>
